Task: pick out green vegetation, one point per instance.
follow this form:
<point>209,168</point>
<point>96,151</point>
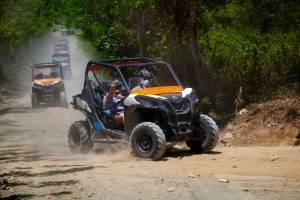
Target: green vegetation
<point>20,21</point>
<point>215,46</point>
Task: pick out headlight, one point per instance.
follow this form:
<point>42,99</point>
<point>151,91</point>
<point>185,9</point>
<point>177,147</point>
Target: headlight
<point>146,101</point>
<point>58,84</point>
<point>37,85</point>
<point>64,64</point>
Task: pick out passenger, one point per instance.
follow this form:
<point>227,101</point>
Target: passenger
<point>53,74</point>
<point>144,77</point>
<point>113,100</point>
<point>39,76</point>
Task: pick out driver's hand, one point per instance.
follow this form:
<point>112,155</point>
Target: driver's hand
<point>119,96</point>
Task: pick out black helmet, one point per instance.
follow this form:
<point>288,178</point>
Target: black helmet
<point>144,73</point>
<point>116,82</point>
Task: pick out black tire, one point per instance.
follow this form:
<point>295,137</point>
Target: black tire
<point>205,135</point>
<point>79,138</point>
<point>34,100</point>
<point>148,141</point>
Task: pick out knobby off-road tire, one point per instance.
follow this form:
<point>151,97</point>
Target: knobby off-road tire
<point>148,141</point>
<point>34,100</point>
<point>205,136</point>
<point>79,138</point>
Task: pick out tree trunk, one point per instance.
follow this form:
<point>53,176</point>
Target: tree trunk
<point>141,31</point>
<point>195,50</point>
<point>173,11</point>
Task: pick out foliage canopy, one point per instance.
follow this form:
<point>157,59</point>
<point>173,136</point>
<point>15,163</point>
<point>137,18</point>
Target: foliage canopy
<point>215,46</point>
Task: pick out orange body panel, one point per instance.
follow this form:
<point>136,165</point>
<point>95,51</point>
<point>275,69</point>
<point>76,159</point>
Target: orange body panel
<point>49,80</point>
<point>158,90</point>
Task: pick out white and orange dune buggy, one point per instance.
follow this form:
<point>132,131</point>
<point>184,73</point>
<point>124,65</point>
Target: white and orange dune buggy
<point>160,113</point>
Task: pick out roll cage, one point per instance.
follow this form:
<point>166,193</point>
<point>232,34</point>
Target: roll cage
<point>126,62</point>
<point>44,66</point>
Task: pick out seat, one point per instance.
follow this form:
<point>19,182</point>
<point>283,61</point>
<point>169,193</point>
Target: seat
<point>53,74</point>
<point>133,82</point>
<point>99,96</point>
<point>39,76</point>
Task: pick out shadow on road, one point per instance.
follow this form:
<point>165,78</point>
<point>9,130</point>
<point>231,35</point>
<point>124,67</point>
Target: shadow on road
<point>56,183</point>
<point>19,196</point>
<point>47,173</point>
<point>57,194</point>
<point>180,153</point>
<point>17,155</point>
<point>18,110</point>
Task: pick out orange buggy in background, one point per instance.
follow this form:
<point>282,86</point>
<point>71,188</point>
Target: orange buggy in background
<point>47,85</point>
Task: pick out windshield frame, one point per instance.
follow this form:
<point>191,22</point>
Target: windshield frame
<point>131,63</point>
<point>46,66</point>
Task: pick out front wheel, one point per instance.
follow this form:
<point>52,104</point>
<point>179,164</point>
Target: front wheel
<point>79,138</point>
<point>205,135</point>
<point>148,141</point>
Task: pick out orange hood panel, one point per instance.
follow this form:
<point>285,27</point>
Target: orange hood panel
<point>47,80</point>
<point>158,90</point>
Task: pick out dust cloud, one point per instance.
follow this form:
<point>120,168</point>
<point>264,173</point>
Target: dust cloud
<point>46,128</point>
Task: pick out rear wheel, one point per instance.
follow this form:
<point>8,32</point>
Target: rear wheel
<point>148,141</point>
<point>79,138</point>
<point>205,136</point>
<point>34,100</point>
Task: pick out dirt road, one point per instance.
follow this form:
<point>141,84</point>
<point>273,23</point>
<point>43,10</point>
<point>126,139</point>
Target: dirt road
<point>36,162</point>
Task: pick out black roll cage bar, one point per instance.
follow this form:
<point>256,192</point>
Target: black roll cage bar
<point>142,62</point>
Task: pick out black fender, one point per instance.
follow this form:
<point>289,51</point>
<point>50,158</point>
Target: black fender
<point>136,114</point>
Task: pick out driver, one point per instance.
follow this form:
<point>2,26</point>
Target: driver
<point>114,98</point>
<point>144,77</point>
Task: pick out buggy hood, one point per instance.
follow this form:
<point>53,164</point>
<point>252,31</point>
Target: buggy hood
<point>157,90</point>
<point>47,80</point>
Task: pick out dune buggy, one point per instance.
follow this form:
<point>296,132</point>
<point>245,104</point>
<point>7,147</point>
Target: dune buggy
<point>61,48</point>
<point>47,85</point>
<point>63,41</point>
<point>63,59</point>
<point>154,115</point>
<point>64,30</point>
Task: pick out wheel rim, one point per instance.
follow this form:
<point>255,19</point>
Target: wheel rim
<point>145,143</point>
